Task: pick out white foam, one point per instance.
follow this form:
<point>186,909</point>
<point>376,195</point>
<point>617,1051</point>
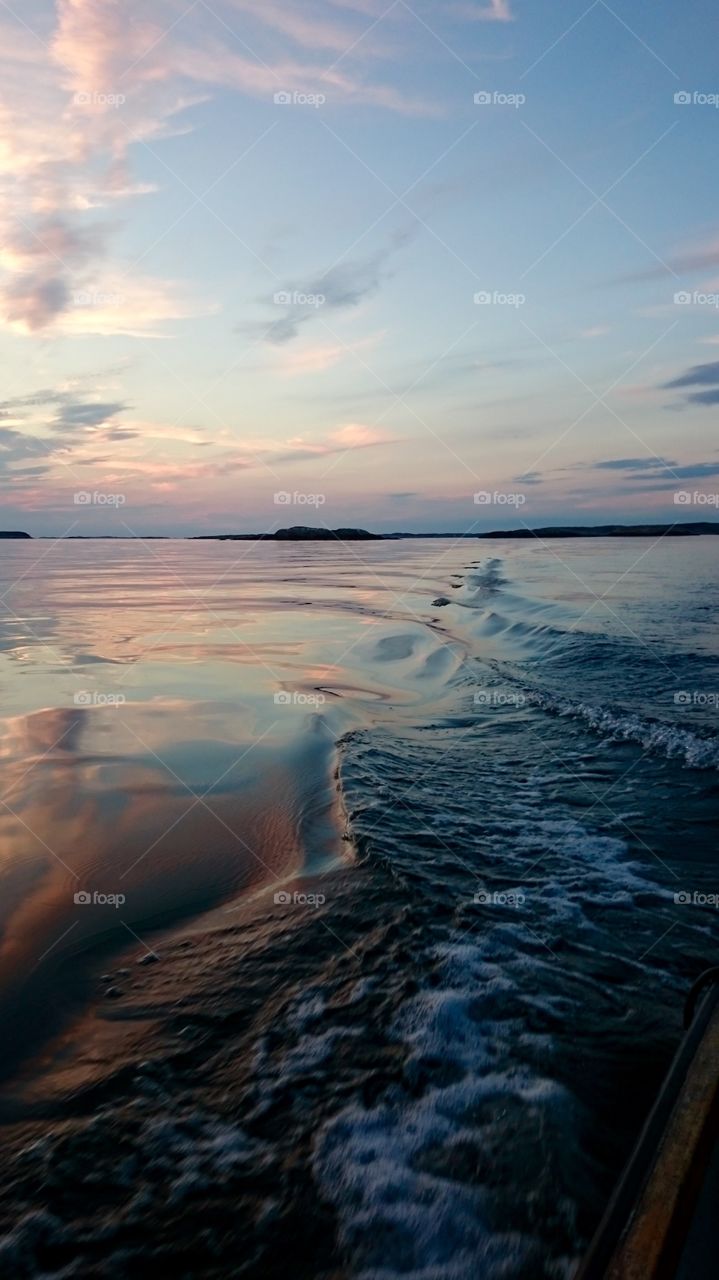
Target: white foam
<point>668,740</point>
<point>402,1214</point>
<point>480,1057</point>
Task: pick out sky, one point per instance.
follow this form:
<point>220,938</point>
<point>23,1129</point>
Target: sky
<point>407,266</point>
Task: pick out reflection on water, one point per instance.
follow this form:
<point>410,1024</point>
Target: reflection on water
<point>171,712</point>
<point>171,708</point>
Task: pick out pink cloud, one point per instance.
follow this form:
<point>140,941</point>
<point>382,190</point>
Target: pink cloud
<point>74,109</point>
<point>356,435</point>
<point>100,53</point>
<point>320,356</point>
<point>496,11</point>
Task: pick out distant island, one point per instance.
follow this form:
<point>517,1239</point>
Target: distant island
<point>687,529</point>
<point>307,533</point>
<point>297,533</point>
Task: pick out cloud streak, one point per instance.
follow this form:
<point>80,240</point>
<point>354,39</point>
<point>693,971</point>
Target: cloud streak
<point>340,287</point>
<point>700,375</point>
<point>647,471</point>
<point>705,376</point>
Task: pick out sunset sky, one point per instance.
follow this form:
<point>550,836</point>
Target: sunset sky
<point>242,247</point>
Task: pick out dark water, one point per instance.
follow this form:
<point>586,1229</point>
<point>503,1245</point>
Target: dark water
<point>436,1072</point>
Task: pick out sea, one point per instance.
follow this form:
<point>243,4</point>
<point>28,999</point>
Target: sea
<point>349,896</point>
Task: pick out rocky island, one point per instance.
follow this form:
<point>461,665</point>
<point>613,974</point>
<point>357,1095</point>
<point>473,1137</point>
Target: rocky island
<point>691,528</point>
<point>296,533</point>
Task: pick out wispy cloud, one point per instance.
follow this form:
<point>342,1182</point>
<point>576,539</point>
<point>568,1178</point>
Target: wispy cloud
<point>705,376</point>
<point>52,437</point>
<point>647,471</point>
<point>344,439</point>
<point>223,45</point>
<point>704,397</point>
<point>493,11</point>
<point>700,375</point>
<point>318,357</point>
<point>683,260</point>
<point>633,465</point>
<point>340,287</point>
